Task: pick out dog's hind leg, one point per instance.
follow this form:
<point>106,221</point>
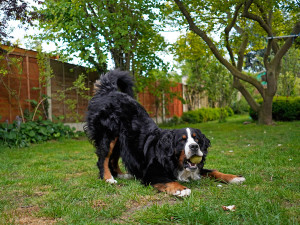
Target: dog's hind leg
<point>226,178</point>
<point>103,163</point>
<point>114,164</point>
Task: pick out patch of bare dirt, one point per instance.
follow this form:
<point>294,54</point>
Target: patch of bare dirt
<point>27,215</point>
<point>142,203</point>
<point>99,204</point>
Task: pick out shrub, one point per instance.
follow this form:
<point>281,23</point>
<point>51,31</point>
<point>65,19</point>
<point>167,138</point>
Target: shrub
<point>175,120</point>
<point>240,107</point>
<point>283,109</point>
<point>229,111</point>
<point>22,134</point>
<point>190,117</point>
<point>206,114</point>
<point>253,114</point>
<point>223,115</point>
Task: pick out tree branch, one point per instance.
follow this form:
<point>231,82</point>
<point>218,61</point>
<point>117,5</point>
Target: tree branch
<point>265,25</point>
<point>227,31</point>
<point>286,46</point>
<point>263,13</point>
<point>238,29</point>
<point>241,53</point>
<point>256,18</point>
<point>239,86</point>
<point>267,53</point>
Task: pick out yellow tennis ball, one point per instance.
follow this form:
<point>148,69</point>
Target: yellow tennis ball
<point>196,159</point>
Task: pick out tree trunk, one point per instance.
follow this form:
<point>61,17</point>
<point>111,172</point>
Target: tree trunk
<point>265,111</point>
<point>122,60</point>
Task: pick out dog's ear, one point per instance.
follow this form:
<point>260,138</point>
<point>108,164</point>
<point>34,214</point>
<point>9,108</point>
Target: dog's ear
<point>204,142</point>
<point>165,148</point>
<point>149,147</point>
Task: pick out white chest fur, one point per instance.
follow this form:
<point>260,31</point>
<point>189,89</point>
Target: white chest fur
<point>185,175</point>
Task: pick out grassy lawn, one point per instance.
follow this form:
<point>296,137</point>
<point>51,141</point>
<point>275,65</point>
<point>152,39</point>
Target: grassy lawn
<point>57,183</point>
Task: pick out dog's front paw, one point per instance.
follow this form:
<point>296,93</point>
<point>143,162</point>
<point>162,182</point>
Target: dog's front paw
<point>173,188</point>
<point>111,180</point>
<point>237,180</point>
<point>182,193</point>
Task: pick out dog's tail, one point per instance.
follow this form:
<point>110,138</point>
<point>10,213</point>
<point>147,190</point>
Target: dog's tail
<point>114,80</point>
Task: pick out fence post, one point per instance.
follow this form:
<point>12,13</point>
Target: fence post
<point>28,81</point>
<point>49,94</point>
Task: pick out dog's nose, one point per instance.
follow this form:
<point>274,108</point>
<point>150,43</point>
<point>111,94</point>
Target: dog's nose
<point>194,147</point>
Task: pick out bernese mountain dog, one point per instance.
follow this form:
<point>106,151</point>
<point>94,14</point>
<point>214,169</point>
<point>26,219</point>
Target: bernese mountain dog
<point>119,126</point>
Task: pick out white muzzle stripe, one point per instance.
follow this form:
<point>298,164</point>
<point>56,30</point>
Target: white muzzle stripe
<point>190,141</point>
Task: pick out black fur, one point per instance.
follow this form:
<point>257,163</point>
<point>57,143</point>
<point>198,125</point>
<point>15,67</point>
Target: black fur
<point>149,153</point>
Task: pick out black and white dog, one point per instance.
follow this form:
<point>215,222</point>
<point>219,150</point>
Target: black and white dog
<point>119,126</point>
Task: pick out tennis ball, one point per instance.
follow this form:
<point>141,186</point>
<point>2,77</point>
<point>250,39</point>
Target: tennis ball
<point>196,159</point>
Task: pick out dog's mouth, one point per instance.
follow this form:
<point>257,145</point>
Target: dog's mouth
<point>191,166</point>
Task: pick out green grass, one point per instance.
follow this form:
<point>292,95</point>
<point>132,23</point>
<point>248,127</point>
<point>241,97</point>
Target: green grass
<point>57,182</point>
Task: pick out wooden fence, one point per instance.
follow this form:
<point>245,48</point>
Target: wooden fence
<point>24,85</point>
<point>27,86</point>
<point>174,107</point>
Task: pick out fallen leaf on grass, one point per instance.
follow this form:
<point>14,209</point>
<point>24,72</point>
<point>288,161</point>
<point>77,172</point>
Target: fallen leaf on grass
<point>229,208</point>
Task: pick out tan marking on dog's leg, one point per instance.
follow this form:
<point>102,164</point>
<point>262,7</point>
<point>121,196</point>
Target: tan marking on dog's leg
<point>181,158</point>
<point>173,188</point>
<point>227,178</point>
<point>114,164</point>
<point>107,175</point>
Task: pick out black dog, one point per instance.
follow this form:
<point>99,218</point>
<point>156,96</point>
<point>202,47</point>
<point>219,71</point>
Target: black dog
<point>119,126</point>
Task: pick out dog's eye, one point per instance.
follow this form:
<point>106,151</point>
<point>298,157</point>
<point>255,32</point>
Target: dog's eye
<point>183,139</point>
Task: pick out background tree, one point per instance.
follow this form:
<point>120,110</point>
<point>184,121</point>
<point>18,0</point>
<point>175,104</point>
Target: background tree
<point>205,75</point>
<point>92,29</point>
<point>13,10</point>
<point>243,25</point>
<point>289,80</point>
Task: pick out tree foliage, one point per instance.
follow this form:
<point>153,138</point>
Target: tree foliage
<point>94,29</point>
<point>289,80</point>
<point>13,10</point>
<point>205,75</point>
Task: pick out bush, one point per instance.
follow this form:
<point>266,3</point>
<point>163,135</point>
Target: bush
<point>284,109</point>
<point>21,135</point>
<point>223,115</point>
<point>206,114</point>
<point>175,120</point>
<point>229,111</point>
<point>190,117</point>
<point>240,107</point>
